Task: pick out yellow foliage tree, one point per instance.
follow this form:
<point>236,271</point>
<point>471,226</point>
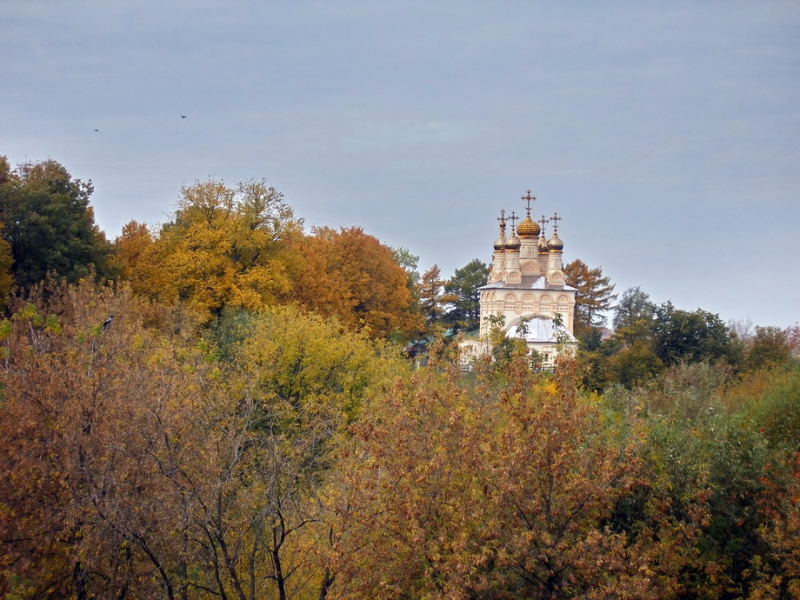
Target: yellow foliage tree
<point>129,247</point>
<point>223,247</point>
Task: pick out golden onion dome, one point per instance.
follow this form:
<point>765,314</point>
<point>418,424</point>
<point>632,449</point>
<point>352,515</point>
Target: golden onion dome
<point>555,243</point>
<point>542,245</point>
<point>500,243</point>
<point>528,228</point>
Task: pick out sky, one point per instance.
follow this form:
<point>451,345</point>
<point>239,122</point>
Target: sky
<point>665,134</point>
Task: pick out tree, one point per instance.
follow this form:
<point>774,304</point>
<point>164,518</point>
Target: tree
<point>404,258</point>
<point>633,313</point>
<point>430,294</point>
<point>49,224</point>
<point>464,296</point>
<point>696,336</point>
<point>594,296</point>
<point>224,247</point>
<point>6,276</point>
<point>769,346</point>
<point>129,248</point>
<point>352,276</point>
<point>148,464</point>
<point>501,491</point>
<point>635,365</point>
<point>778,572</point>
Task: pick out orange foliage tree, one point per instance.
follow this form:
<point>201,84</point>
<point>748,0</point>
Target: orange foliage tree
<point>352,276</point>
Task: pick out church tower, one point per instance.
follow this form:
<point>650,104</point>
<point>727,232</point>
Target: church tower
<point>526,290</point>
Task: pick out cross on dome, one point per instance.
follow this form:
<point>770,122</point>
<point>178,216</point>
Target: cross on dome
<point>555,219</point>
<point>528,199</point>
<point>543,221</point>
<point>502,219</point>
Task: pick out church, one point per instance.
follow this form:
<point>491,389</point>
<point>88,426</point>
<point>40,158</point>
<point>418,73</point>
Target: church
<point>525,295</point>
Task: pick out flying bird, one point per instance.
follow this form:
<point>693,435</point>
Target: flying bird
<point>97,130</point>
<point>108,321</point>
<point>183,116</point>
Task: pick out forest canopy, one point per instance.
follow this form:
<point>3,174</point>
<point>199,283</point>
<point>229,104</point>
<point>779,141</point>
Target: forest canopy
<point>222,407</point>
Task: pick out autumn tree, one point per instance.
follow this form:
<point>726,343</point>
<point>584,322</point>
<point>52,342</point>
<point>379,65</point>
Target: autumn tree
<point>769,347</point>
<point>352,276</point>
<point>85,516</point>
<point>154,464</point>
<point>492,492</point>
<point>223,247</point>
<point>129,248</point>
<point>49,224</point>
<point>595,295</point>
<point>430,294</point>
<point>777,572</point>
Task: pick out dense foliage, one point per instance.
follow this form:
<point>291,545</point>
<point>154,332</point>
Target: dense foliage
<point>48,225</point>
<point>218,423</point>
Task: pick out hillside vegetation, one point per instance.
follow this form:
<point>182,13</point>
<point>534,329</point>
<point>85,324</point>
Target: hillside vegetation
<point>221,407</point>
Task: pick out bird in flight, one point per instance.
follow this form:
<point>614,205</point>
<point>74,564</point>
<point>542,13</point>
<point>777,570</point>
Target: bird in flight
<point>97,130</point>
<point>183,116</point>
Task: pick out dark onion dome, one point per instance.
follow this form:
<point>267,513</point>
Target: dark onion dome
<point>542,245</point>
<point>528,229</point>
<point>513,242</point>
<point>555,243</point>
<point>500,243</point>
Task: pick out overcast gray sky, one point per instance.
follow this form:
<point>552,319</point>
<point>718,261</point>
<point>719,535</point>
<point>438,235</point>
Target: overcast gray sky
<point>666,134</point>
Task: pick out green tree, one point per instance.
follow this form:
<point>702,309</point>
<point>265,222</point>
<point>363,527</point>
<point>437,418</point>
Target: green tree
<point>49,224</point>
<point>633,316</point>
<point>679,335</point>
<point>635,364</point>
<point>595,295</point>
<point>464,296</point>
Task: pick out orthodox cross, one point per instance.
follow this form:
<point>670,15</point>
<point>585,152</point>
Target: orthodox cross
<point>555,219</point>
<point>513,218</point>
<point>502,219</point>
<point>543,221</point>
<point>527,199</point>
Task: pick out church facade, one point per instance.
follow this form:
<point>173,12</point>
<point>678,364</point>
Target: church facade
<point>526,294</point>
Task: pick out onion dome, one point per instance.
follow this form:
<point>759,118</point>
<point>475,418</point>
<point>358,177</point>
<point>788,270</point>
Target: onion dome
<point>528,228</point>
<point>555,244</point>
<point>500,243</point>
<point>513,243</point>
<point>542,245</point>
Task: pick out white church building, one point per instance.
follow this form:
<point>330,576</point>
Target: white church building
<point>525,295</point>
